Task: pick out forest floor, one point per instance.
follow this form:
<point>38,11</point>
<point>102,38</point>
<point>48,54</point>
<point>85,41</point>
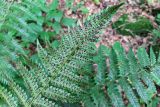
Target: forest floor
<point>109,36</point>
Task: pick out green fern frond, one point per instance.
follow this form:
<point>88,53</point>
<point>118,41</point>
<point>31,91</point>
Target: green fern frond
<point>43,102</point>
<point>101,67</point>
<point>5,10</point>
<point>57,77</point>
<point>129,93</point>
<point>129,78</point>
<point>115,95</point>
<point>101,101</point>
<point>70,52</point>
<point>8,97</point>
<point>152,57</point>
<point>113,73</point>
<point>121,58</point>
<point>9,48</point>
<point>133,64</point>
<point>143,57</point>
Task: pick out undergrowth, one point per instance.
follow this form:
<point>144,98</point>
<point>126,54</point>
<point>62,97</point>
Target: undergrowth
<point>74,73</point>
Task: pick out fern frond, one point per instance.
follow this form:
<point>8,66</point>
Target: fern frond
<point>8,97</point>
<point>143,57</point>
<point>133,64</point>
<point>8,51</point>
<point>20,93</point>
<point>140,88</point>
<point>113,73</point>
<point>129,93</point>
<point>43,102</point>
<point>158,57</point>
<point>152,57</point>
<point>101,101</point>
<point>101,67</point>
<point>5,10</point>
<point>121,58</point>
<point>74,54</point>
<point>57,76</point>
<point>115,95</point>
<point>137,77</point>
<point>156,74</point>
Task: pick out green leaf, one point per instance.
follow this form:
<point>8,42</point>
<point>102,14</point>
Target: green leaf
<point>133,65</point>
<point>115,95</point>
<point>143,57</point>
<point>37,11</point>
<point>69,3</point>
<point>45,36</point>
<point>122,60</point>
<point>40,21</point>
<point>84,10</point>
<point>51,34</point>
<point>28,13</point>
<point>158,57</point>
<point>126,27</point>
<point>35,27</point>
<point>54,5</point>
<point>151,89</point>
<point>55,44</point>
<point>113,73</point>
<point>35,58</point>
<point>99,97</point>
<point>155,102</point>
<point>68,21</point>
<point>158,16</point>
<point>30,39</point>
<point>156,33</point>
<point>57,15</point>
<point>156,74</point>
<point>96,1</point>
<point>129,93</point>
<point>141,90</point>
<point>152,57</point>
<point>57,27</point>
<point>100,60</point>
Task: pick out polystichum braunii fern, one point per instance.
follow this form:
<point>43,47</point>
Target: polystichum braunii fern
<point>56,79</point>
<point>8,46</point>
<point>125,79</point>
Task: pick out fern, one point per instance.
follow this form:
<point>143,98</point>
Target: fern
<point>30,20</point>
<point>129,78</point>
<point>9,47</point>
<point>56,79</point>
<point>17,20</point>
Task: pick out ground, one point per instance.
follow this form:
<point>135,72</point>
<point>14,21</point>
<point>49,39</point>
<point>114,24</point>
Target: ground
<point>109,35</point>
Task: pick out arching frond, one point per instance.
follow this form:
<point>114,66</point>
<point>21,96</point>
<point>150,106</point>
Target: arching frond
<point>55,79</point>
<point>131,78</point>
